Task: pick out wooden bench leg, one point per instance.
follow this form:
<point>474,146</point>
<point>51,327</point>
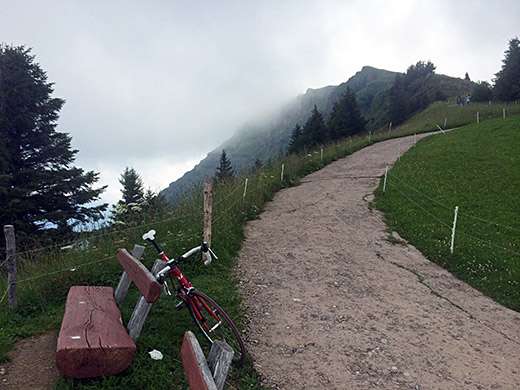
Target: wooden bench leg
<point>142,308</point>
<point>219,360</point>
<point>195,365</point>
<point>204,374</point>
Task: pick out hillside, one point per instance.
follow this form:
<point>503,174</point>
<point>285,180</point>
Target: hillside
<point>268,139</point>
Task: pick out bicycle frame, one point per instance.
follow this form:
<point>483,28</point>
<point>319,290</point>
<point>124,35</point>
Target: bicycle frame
<point>186,286</point>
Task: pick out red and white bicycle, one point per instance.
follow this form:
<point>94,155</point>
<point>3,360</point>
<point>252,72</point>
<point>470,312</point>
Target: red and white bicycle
<point>209,317</point>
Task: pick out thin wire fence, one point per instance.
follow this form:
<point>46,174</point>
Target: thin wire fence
<point>448,224</point>
<point>177,237</point>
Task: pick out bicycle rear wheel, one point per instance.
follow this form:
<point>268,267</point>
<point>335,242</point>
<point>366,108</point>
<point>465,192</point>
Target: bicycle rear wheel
<point>215,324</point>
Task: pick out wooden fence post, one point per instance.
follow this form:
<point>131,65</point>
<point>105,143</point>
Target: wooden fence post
<point>10,246</point>
<point>208,212</point>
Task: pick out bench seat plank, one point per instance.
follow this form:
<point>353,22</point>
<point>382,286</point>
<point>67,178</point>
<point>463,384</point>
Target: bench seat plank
<point>92,340</point>
<point>143,279</point>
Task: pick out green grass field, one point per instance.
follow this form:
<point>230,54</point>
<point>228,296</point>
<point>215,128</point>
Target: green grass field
<point>440,113</point>
<point>477,169</point>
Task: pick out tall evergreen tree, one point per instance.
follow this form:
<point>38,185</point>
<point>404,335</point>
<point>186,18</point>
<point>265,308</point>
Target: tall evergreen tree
<point>133,187</point>
<point>39,186</point>
<point>295,143</point>
<point>507,81</point>
<point>225,170</point>
<point>345,119</point>
<point>315,131</point>
<point>398,101</point>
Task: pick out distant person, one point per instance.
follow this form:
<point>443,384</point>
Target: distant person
<point>468,100</point>
<point>459,101</point>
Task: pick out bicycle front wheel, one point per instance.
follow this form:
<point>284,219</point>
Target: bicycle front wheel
<point>215,324</point>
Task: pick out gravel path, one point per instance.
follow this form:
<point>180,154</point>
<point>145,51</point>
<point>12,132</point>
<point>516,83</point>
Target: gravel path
<point>331,303</point>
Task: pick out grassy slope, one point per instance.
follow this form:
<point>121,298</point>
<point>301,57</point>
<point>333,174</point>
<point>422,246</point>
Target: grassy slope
<point>476,169</point>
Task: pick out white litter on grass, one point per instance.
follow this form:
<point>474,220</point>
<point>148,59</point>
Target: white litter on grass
<point>156,355</point>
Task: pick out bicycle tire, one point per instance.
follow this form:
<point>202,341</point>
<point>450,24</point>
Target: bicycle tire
<point>226,331</point>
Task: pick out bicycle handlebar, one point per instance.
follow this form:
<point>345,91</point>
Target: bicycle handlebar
<point>150,236</point>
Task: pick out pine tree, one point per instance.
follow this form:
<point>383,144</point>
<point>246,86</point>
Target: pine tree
<point>133,187</point>
<point>40,189</point>
<point>225,170</point>
<point>345,119</point>
<point>295,143</point>
<point>315,131</point>
<point>399,101</point>
<point>507,81</point>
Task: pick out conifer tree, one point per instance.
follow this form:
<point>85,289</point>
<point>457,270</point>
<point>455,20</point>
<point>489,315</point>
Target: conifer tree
<point>315,131</point>
<point>507,81</point>
<point>40,189</point>
<point>398,101</point>
<point>133,187</point>
<point>345,119</point>
<point>295,143</point>
<point>225,170</point>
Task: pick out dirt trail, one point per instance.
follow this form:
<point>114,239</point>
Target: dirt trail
<point>332,304</point>
<point>32,364</point>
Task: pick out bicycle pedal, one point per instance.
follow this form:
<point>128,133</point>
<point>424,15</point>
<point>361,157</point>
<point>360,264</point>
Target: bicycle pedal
<point>179,305</point>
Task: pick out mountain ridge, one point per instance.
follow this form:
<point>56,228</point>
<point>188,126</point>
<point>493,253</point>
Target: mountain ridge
<point>267,139</point>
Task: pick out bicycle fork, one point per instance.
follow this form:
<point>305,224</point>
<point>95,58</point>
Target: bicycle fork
<point>196,305</point>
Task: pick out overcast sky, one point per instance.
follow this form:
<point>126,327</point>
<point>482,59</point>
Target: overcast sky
<point>156,85</point>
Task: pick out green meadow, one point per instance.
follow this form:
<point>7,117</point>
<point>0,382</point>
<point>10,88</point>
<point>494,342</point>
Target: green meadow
<point>476,168</point>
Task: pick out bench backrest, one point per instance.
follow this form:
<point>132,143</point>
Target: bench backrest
<point>143,279</point>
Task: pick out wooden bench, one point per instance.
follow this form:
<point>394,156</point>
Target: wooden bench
<point>93,340</point>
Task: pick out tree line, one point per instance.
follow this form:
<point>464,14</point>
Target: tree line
<point>345,120</point>
<point>415,90</point>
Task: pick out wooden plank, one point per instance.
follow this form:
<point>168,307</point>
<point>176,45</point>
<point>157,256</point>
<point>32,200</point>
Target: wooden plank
<point>126,280</point>
<point>92,340</point>
<point>143,279</point>
<point>195,365</point>
<point>142,308</point>
<point>219,360</point>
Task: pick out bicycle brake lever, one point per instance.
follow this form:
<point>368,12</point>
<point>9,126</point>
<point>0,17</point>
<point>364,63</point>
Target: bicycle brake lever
<point>213,253</point>
<point>166,289</point>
